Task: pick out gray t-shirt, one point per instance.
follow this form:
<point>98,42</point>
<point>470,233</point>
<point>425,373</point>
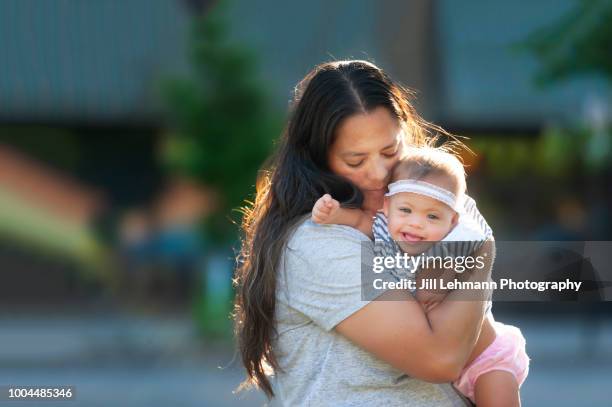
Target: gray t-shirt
<point>319,285</point>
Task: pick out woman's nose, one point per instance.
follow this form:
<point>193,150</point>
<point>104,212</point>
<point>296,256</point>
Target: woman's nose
<point>378,172</point>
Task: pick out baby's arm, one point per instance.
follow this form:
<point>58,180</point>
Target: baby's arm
<point>328,211</point>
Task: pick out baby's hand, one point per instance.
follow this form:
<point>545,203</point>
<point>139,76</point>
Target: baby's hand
<point>325,209</point>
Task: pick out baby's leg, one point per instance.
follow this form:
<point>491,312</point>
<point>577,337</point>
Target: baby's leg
<point>497,388</point>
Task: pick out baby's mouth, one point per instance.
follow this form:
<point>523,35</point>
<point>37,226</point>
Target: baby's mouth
<point>409,237</point>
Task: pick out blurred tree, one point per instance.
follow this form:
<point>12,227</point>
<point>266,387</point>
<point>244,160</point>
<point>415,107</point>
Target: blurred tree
<point>578,43</point>
<point>222,126</point>
<point>223,121</point>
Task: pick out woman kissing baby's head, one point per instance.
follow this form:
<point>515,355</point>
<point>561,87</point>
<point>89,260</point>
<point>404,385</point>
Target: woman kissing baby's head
<point>425,197</point>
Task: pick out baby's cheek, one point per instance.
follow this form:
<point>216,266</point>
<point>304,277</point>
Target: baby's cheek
<point>441,233</point>
<point>395,235</point>
<point>394,228</point>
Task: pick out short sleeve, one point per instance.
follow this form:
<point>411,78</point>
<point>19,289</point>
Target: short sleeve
<point>321,272</point>
<point>472,212</point>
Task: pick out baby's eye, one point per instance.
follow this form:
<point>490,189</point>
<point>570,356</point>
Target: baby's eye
<point>355,165</point>
<point>405,210</point>
<point>392,154</point>
<point>432,216</point>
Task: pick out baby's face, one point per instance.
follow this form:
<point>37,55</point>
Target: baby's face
<point>416,221</point>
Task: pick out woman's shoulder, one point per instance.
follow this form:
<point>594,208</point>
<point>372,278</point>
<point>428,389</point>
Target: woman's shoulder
<point>320,274</point>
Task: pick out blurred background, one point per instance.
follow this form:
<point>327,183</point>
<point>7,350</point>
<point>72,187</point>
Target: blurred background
<point>132,130</point>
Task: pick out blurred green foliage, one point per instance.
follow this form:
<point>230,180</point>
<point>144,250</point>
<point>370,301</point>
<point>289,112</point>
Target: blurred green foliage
<point>556,154</point>
<point>222,121</point>
<point>578,43</point>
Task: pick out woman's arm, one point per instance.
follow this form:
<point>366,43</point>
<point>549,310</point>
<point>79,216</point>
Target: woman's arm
<point>432,347</point>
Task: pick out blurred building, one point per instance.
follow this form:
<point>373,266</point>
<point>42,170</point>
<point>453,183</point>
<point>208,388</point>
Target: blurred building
<point>462,58</point>
<point>102,61</point>
<point>80,91</point>
<point>96,62</point>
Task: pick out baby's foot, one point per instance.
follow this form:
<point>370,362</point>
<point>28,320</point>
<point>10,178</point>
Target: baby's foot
<point>325,210</point>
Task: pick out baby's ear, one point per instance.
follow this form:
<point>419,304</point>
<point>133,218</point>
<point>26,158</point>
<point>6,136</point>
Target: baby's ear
<point>386,206</point>
<point>455,219</point>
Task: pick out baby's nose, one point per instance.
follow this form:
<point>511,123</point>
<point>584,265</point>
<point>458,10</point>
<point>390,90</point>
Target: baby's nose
<point>416,222</point>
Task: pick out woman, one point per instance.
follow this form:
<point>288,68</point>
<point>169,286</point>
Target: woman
<point>299,311</point>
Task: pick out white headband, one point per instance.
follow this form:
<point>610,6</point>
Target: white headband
<point>427,189</point>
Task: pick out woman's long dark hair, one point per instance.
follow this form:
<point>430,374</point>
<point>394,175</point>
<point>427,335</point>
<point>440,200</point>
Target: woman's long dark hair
<point>296,176</point>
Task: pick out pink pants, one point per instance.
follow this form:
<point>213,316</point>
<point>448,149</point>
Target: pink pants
<point>506,353</point>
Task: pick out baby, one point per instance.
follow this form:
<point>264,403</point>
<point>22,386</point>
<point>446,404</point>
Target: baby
<point>427,203</point>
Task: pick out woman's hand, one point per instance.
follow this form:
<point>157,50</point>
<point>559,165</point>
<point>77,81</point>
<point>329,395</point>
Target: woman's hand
<point>430,299</point>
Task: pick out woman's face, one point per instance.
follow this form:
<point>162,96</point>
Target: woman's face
<point>366,148</point>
